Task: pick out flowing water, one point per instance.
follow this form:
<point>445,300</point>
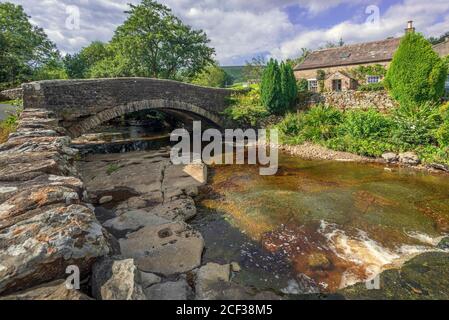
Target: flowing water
<point>316,226</point>
<point>336,223</point>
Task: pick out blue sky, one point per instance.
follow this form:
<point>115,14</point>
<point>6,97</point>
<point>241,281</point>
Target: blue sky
<point>242,29</point>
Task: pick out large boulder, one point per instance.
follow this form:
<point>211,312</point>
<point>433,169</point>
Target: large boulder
<point>409,158</point>
<point>39,249</point>
<point>56,290</point>
<point>390,157</point>
<point>116,280</point>
<point>165,249</point>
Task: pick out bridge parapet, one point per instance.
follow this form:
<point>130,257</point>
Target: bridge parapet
<point>74,101</point>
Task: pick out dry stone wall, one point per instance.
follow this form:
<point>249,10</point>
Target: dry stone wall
<point>11,94</point>
<point>46,222</point>
<point>347,100</point>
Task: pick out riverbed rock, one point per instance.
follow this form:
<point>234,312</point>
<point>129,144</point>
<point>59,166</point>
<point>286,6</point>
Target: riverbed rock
<point>208,280</point>
<point>112,171</point>
<point>134,220</point>
<point>409,158</point>
<point>116,280</point>
<point>173,290</point>
<point>39,249</point>
<point>181,209</point>
<point>55,290</point>
<point>390,157</point>
<point>105,199</point>
<point>164,249</point>
<point>133,203</point>
<point>148,279</point>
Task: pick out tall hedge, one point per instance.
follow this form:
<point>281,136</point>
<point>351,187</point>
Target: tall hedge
<point>288,84</point>
<point>271,89</point>
<point>416,74</point>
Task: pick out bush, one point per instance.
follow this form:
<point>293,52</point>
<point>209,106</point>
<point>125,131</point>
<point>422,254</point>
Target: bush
<point>290,128</point>
<point>414,125</point>
<point>321,122</point>
<point>366,147</point>
<point>433,154</point>
<point>246,107</point>
<point>416,74</point>
<point>317,124</point>
<point>366,124</point>
<point>372,87</point>
<point>442,133</point>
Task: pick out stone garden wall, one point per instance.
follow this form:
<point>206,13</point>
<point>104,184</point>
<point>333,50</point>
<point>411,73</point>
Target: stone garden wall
<point>11,94</point>
<point>347,100</point>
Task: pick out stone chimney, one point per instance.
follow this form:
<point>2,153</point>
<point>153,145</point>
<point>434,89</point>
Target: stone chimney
<point>410,27</point>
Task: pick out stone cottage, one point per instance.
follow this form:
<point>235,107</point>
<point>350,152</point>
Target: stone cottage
<point>337,63</point>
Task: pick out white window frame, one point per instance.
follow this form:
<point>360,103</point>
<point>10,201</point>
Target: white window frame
<point>312,88</point>
<point>373,79</point>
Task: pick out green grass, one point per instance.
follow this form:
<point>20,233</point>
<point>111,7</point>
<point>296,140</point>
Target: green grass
<point>16,103</point>
<point>113,167</point>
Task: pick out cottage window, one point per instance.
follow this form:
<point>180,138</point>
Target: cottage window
<point>446,85</point>
<point>313,85</point>
<point>373,79</point>
<point>337,85</point>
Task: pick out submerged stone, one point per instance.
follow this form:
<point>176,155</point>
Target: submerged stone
<point>165,249</point>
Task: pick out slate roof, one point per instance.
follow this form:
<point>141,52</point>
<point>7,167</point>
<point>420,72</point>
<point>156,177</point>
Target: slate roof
<point>368,52</point>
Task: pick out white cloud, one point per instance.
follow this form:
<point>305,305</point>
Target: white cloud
<point>392,23</point>
<point>239,29</point>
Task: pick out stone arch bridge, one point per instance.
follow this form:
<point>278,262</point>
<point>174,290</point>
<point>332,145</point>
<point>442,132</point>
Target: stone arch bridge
<point>81,105</point>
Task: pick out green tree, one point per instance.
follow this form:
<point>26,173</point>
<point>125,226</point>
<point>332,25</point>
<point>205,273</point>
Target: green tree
<point>152,42</point>
<point>211,76</point>
<point>416,74</point>
<point>271,89</point>
<point>23,47</point>
<point>288,84</point>
<point>253,69</point>
<point>52,70</point>
<point>78,66</point>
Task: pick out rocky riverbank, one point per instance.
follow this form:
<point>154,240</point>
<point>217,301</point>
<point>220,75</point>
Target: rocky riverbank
<point>311,151</point>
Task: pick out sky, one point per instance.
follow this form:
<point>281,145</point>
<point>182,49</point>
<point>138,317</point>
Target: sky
<point>242,29</point>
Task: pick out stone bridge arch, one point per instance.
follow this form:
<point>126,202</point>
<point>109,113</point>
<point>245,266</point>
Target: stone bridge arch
<point>156,104</point>
<point>80,105</point>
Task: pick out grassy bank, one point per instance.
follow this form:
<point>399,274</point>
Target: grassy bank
<point>9,124</point>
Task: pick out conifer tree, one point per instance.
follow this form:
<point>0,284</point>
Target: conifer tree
<point>271,88</point>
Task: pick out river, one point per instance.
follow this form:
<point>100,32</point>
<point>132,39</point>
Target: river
<point>337,223</point>
<point>315,226</point>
